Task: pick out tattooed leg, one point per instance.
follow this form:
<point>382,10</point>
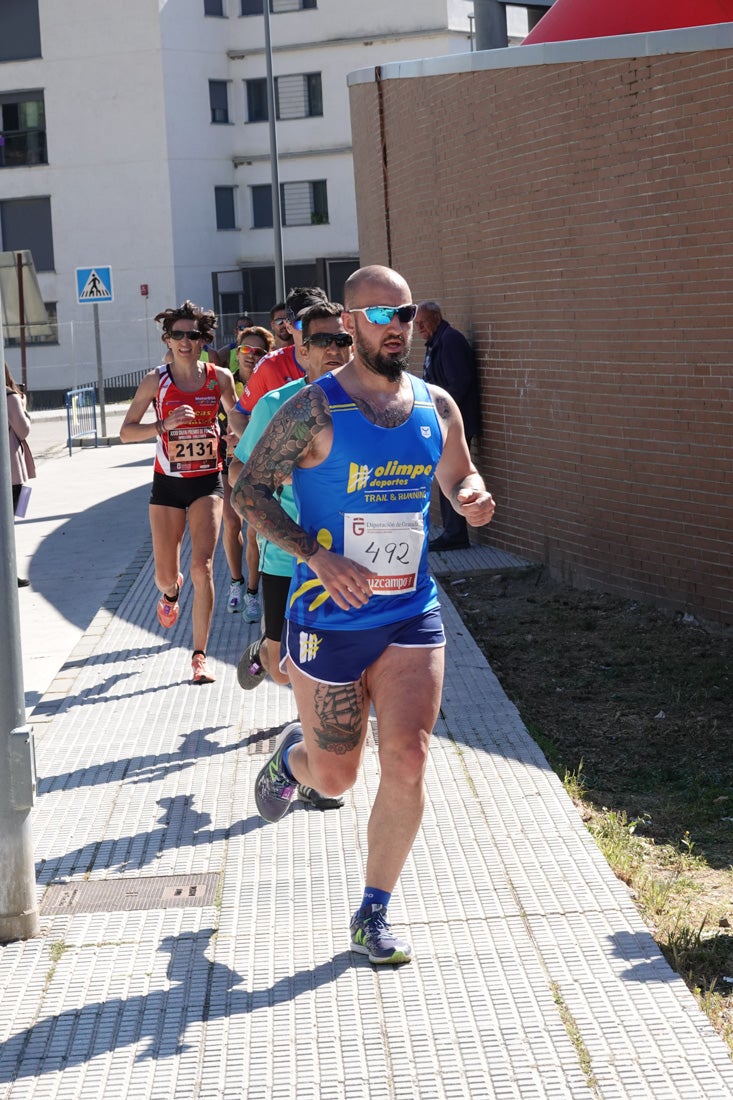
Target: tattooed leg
<point>334,719</point>
<point>339,709</point>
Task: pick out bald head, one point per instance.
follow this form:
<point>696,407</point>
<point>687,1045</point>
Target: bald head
<point>374,317</point>
<point>364,284</point>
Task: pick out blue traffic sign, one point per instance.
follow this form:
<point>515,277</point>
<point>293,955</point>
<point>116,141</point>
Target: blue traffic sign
<point>94,284</point>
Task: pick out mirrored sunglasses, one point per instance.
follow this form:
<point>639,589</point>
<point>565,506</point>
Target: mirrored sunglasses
<point>250,349</point>
<point>383,315</point>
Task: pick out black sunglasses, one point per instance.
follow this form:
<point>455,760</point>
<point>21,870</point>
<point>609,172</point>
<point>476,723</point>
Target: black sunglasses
<point>325,339</point>
<point>191,334</point>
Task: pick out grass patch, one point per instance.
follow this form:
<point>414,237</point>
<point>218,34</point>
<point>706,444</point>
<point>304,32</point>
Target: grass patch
<point>576,1038</point>
<point>633,708</point>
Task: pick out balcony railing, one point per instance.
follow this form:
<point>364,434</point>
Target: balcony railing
<point>23,147</point>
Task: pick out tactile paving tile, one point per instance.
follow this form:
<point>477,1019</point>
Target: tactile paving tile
<point>508,903</point>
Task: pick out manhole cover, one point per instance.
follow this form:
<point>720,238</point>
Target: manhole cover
<point>128,893</point>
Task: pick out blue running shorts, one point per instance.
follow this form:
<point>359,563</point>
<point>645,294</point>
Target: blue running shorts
<point>341,656</point>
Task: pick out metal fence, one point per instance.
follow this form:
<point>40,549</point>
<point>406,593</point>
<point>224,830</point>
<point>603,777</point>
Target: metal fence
<point>120,388</point>
<point>81,415</point>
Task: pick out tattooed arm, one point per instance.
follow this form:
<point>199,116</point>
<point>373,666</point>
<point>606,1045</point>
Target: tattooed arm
<point>299,434</point>
<point>288,439</point>
<point>457,476</point>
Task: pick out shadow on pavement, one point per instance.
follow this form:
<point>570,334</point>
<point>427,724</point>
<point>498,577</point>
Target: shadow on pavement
<point>200,990</point>
<point>193,748</point>
<point>62,568</point>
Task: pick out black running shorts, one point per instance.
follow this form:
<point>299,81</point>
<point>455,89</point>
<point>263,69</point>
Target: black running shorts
<point>181,492</point>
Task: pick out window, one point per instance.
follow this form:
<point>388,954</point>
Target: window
<point>257,100</point>
<point>31,337</point>
<point>224,199</point>
<point>26,223</point>
<point>303,202</point>
<point>262,206</point>
<point>213,7</point>
<point>296,96</point>
<point>20,30</point>
<point>252,289</point>
<point>219,100</point>
<point>22,129</point>
<point>232,305</point>
<point>291,5</point>
<point>255,7</point>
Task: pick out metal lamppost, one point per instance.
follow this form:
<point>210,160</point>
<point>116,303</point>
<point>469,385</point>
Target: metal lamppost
<point>277,230</point>
<point>18,908</point>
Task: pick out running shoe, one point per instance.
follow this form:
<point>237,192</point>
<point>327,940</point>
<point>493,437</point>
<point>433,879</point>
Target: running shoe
<point>252,607</point>
<point>235,601</point>
<point>318,800</point>
<point>250,670</point>
<point>167,611</point>
<point>200,673</point>
<point>370,935</point>
<point>274,790</point>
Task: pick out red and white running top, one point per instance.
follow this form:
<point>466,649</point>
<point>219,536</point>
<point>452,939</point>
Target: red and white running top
<point>193,449</point>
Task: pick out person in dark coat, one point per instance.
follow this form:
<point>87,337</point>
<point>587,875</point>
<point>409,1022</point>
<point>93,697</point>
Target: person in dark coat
<point>451,364</point>
<point>22,466</point>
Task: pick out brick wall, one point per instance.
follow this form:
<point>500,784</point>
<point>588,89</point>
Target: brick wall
<point>576,221</point>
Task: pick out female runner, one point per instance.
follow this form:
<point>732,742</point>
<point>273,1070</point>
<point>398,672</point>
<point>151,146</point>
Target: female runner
<point>187,481</point>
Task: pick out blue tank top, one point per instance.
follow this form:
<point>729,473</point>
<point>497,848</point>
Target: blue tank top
<point>369,500</point>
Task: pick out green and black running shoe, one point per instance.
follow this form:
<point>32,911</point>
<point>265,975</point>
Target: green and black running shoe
<point>370,935</point>
<point>274,789</point>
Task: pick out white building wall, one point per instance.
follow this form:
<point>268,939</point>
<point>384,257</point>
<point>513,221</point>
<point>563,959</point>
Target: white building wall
<point>336,19</point>
<point>134,158</point>
<point>107,175</point>
<point>413,31</point>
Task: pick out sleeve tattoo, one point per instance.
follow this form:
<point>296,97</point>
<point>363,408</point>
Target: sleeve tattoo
<point>286,440</point>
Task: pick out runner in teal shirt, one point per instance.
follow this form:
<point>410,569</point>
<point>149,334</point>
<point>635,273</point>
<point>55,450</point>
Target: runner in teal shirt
<point>326,347</point>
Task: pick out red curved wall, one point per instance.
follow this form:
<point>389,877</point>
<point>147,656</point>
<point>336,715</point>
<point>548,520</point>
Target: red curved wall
<point>571,19</point>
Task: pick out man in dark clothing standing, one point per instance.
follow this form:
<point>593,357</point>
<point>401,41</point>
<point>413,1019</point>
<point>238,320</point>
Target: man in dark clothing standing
<point>450,363</point>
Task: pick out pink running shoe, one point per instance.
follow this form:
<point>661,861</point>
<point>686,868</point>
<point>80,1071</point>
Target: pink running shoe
<point>200,674</point>
<point>167,611</point>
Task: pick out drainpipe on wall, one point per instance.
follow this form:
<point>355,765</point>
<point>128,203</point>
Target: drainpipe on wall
<point>383,149</point>
<point>491,29</point>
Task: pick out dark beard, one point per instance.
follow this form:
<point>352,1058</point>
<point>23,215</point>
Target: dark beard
<point>384,365</point>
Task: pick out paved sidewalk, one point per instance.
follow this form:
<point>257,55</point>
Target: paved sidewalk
<point>86,520</point>
<point>188,949</point>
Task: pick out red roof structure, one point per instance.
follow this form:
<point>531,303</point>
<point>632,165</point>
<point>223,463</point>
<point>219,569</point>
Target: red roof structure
<point>567,20</point>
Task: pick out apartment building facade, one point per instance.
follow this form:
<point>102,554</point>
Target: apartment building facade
<point>135,137</point>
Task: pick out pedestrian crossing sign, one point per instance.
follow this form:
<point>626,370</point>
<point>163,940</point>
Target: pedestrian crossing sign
<point>94,284</point>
